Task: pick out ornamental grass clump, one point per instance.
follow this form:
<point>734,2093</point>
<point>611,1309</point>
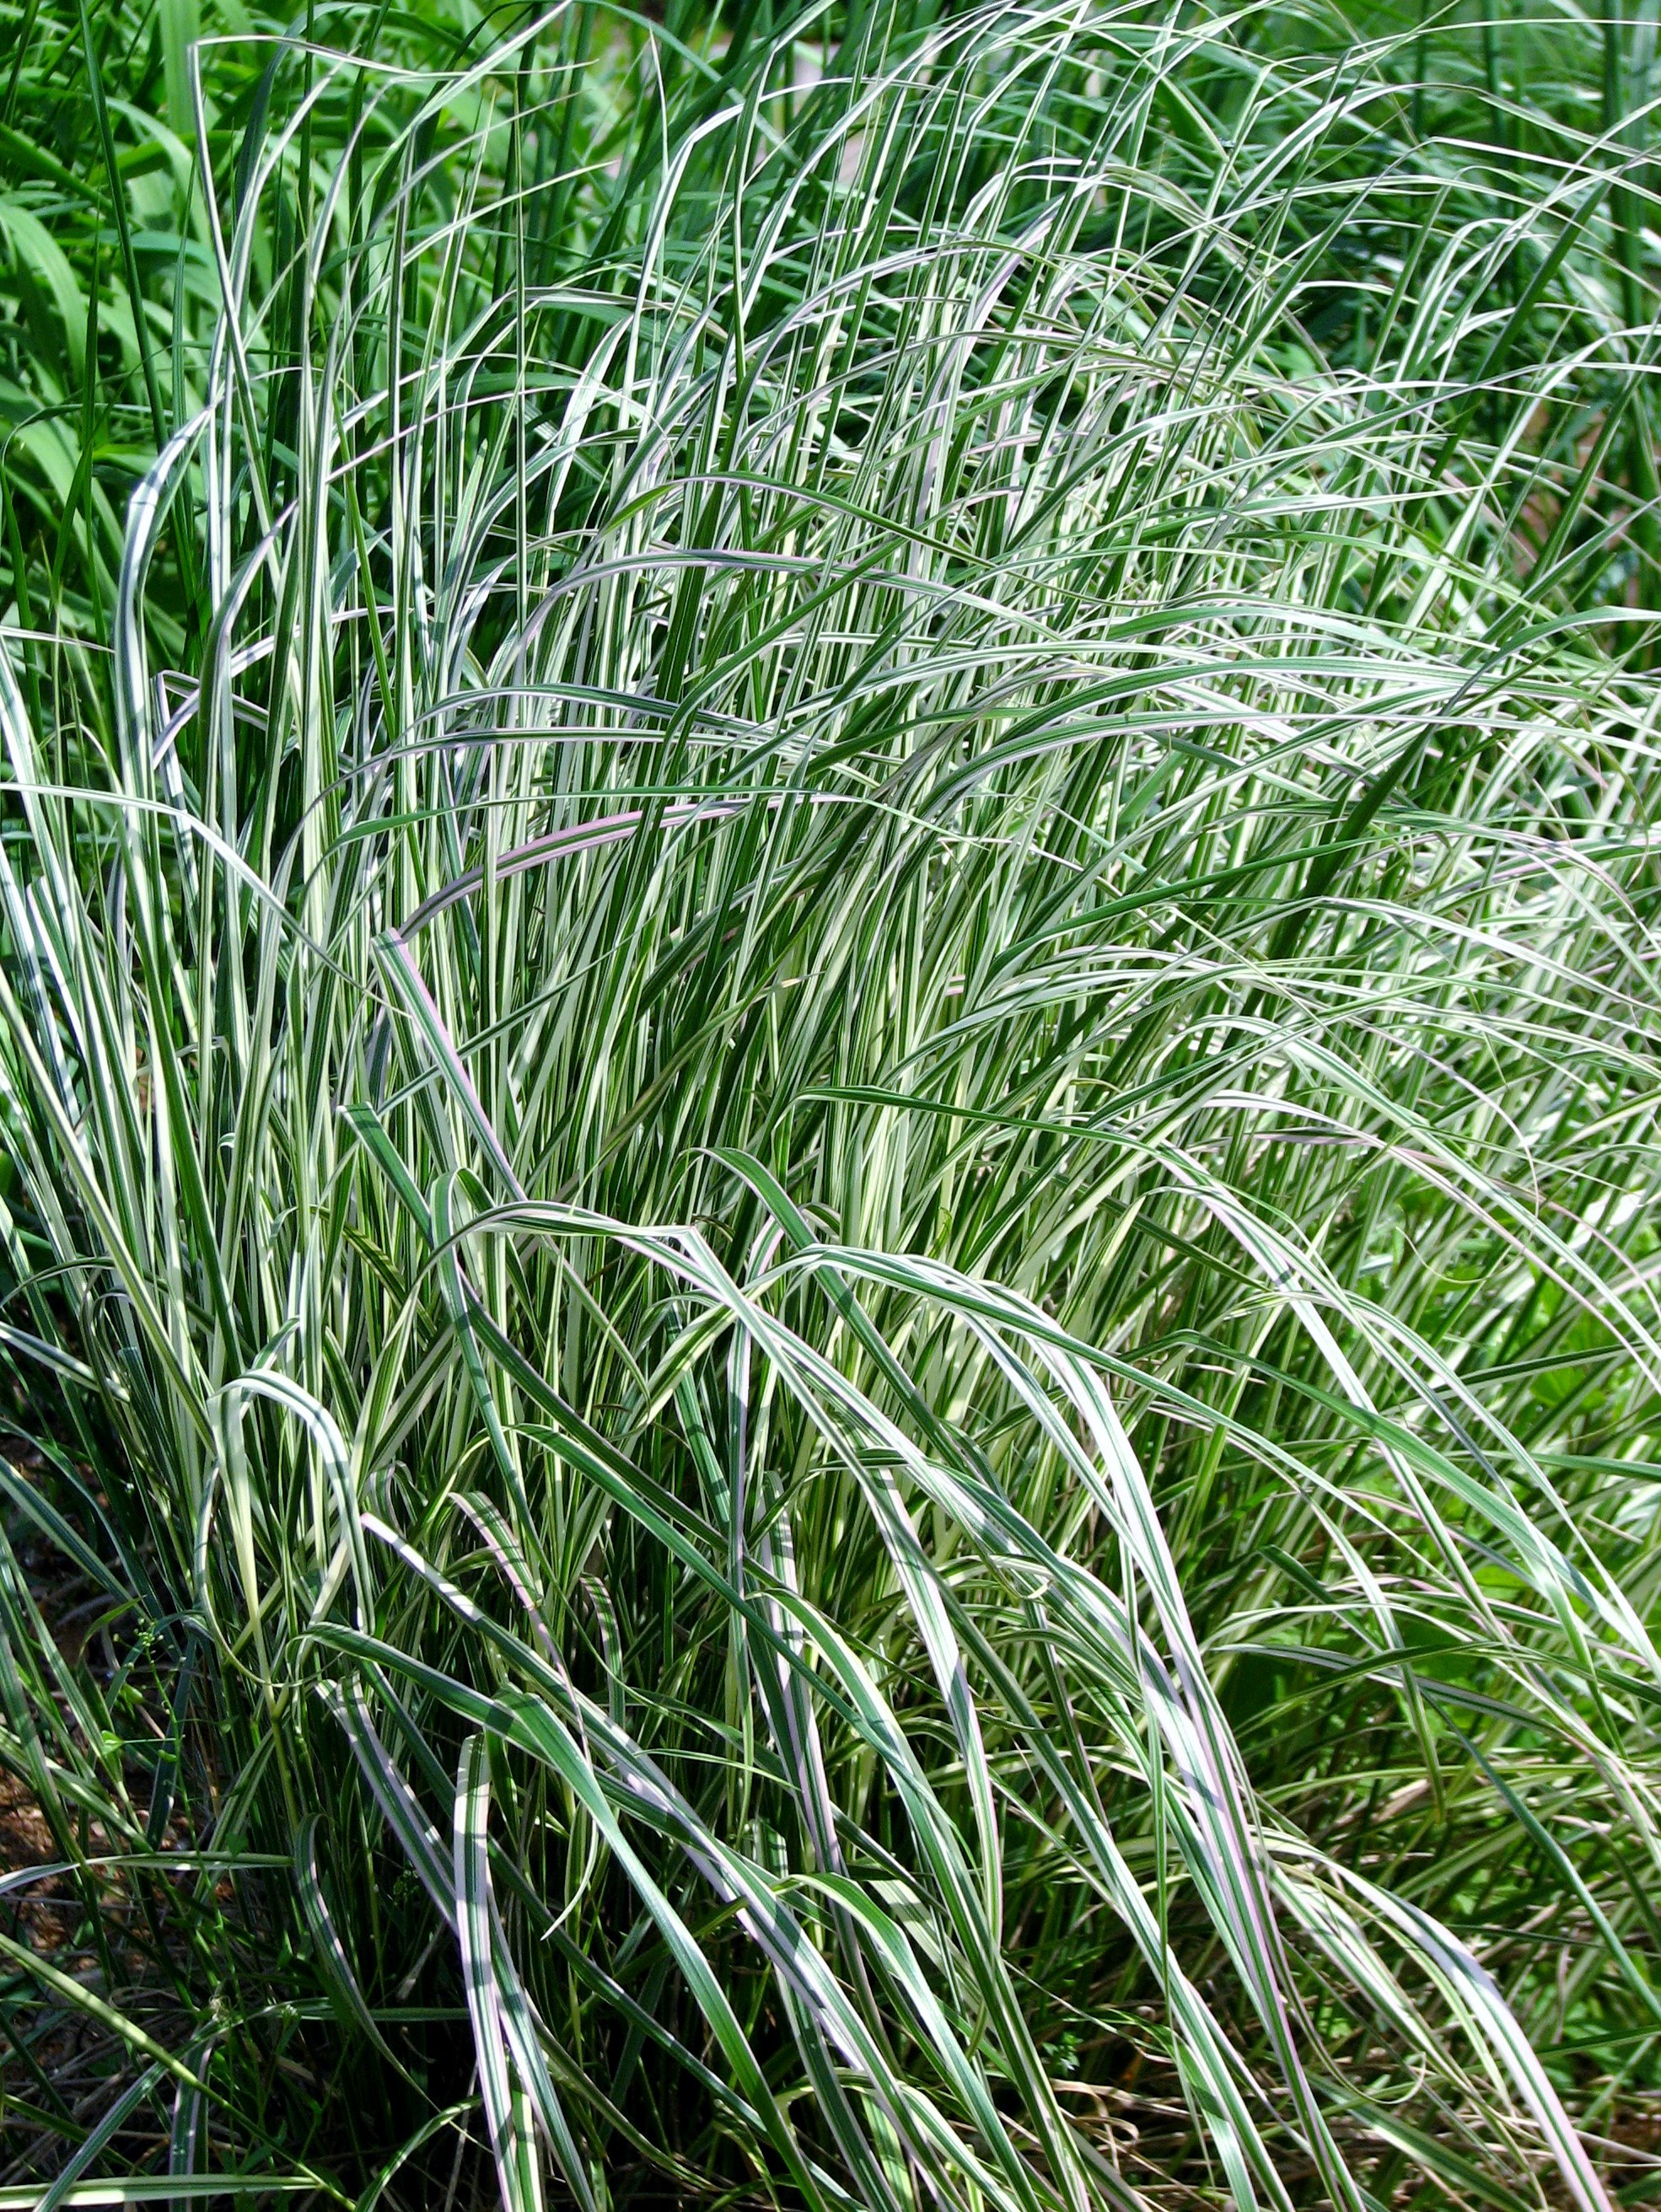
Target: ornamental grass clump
<point>827,1065</point>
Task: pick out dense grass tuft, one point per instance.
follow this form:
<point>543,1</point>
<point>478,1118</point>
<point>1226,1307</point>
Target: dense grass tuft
<point>827,1065</point>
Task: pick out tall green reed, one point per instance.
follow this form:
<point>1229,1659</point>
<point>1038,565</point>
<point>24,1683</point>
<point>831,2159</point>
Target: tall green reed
<point>829,1168</point>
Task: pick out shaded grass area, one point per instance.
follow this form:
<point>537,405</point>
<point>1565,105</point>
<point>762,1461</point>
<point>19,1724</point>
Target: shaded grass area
<point>827,1074</point>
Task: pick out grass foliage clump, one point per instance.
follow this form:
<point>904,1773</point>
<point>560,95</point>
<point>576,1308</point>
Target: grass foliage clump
<point>828,1080</point>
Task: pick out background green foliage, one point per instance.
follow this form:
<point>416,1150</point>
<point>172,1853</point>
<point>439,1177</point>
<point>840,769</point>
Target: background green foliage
<point>828,1082</point>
